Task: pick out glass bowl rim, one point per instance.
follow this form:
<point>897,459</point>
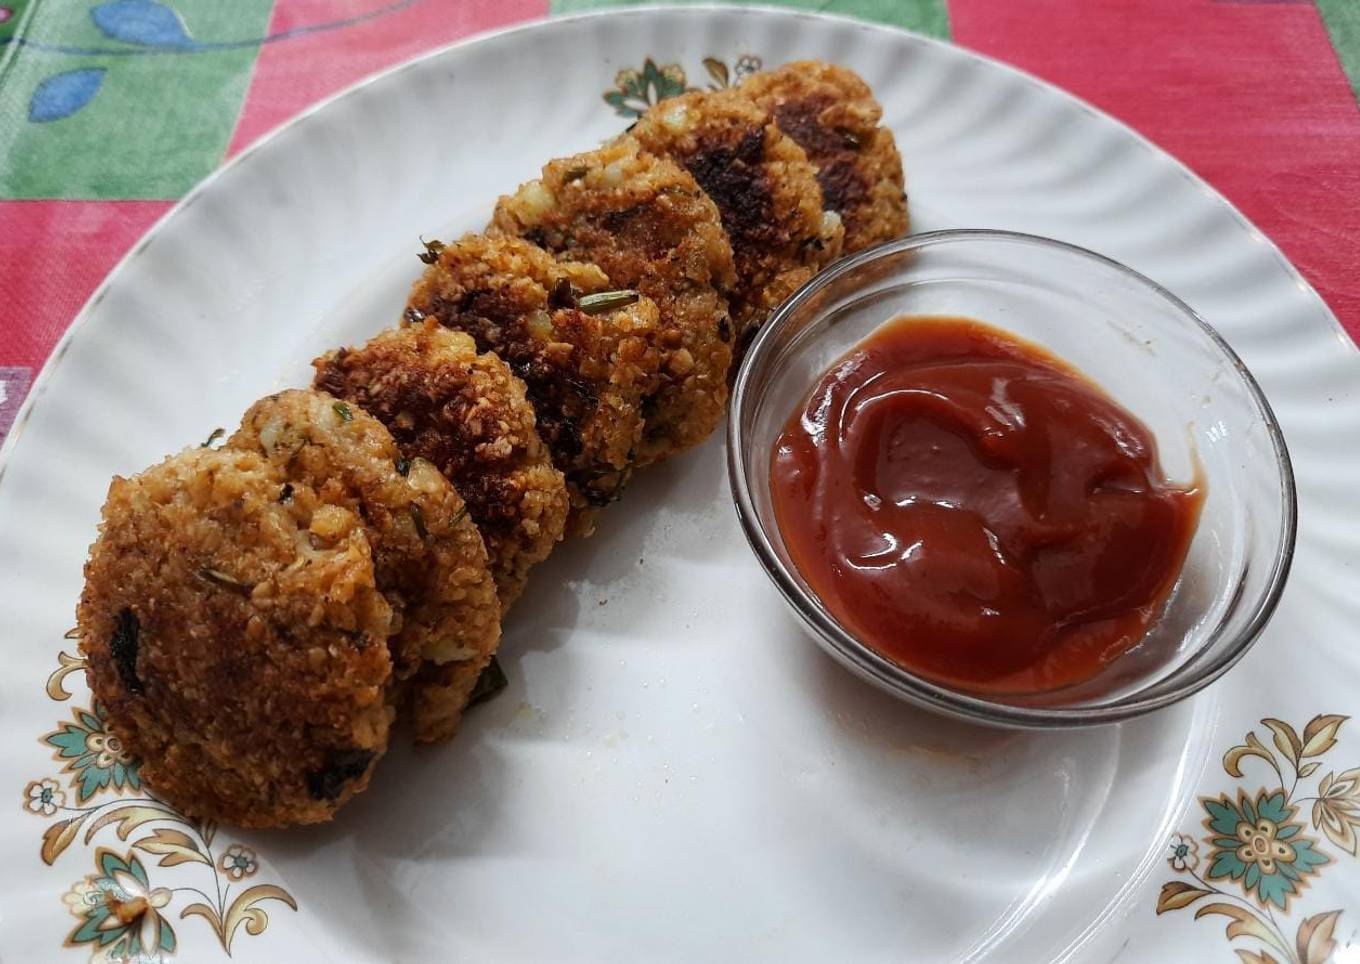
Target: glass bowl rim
<point>908,685</point>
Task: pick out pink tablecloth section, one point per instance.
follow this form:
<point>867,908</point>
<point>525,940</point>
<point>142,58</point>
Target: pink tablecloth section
<point>109,110</point>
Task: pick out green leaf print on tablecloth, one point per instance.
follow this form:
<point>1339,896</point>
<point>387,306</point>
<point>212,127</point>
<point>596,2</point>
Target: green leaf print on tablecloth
<point>121,99</point>
<point>1342,18</point>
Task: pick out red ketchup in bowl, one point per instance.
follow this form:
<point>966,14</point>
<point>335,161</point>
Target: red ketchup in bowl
<point>976,510</point>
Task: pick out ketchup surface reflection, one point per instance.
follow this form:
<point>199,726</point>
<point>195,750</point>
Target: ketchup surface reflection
<point>976,510</point>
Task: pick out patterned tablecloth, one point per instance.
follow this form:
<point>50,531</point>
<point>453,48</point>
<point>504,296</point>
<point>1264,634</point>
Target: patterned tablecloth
<point>112,109</point>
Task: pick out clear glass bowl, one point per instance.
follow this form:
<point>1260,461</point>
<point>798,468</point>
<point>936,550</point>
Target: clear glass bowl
<point>1142,345</point>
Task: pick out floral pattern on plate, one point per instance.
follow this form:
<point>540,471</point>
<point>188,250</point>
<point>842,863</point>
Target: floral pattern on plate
<point>1258,853</point>
<point>121,915</point>
<point>636,89</point>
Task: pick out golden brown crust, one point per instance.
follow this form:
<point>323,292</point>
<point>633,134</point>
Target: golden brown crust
<point>429,558</point>
<point>467,414</point>
<point>833,116</point>
<point>238,639</point>
<point>764,186</point>
<point>646,223</point>
<point>588,375</point>
<point>438,696</point>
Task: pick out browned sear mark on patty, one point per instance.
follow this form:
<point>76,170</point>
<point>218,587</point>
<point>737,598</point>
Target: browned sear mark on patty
<point>732,174</point>
<point>454,411</point>
<point>123,646</point>
<point>402,400</point>
<point>843,184</point>
<point>831,114</point>
<point>802,120</point>
<point>645,229</point>
<point>834,150</point>
<point>561,399</point>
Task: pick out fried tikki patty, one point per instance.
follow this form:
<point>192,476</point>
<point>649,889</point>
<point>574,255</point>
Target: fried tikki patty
<point>764,186</point>
<point>645,222</point>
<point>833,116</point>
<point>235,632</point>
<point>437,697</point>
<point>589,365</point>
<point>429,558</point>
<point>467,414</point>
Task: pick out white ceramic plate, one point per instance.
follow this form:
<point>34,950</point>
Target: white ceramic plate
<point>675,773</point>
